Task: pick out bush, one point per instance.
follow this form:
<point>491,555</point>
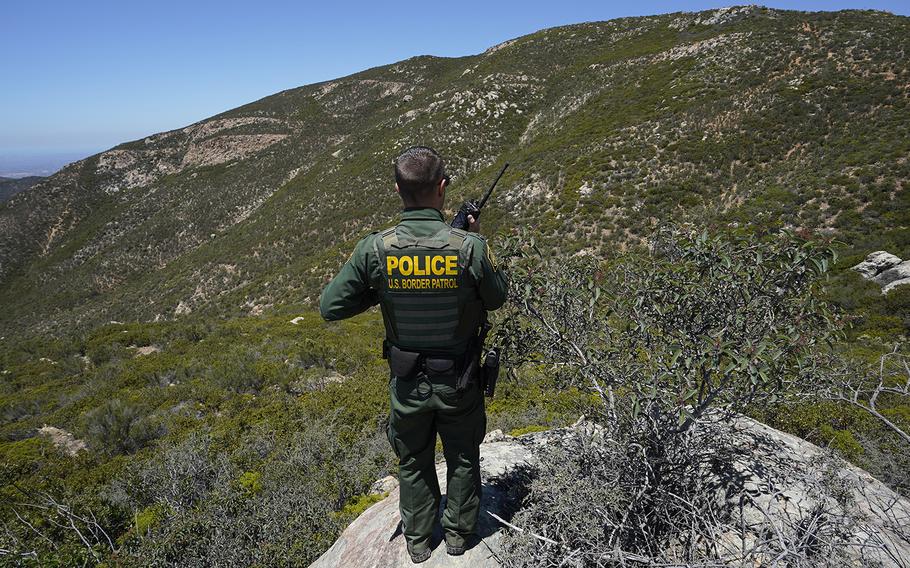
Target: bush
<point>269,501</point>
<point>675,343</point>
<point>698,323</point>
<point>120,427</point>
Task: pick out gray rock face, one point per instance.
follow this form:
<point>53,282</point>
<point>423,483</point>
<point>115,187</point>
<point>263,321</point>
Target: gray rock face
<point>894,276</point>
<point>780,471</point>
<point>897,272</point>
<point>892,285</point>
<point>875,263</point>
<point>884,269</point>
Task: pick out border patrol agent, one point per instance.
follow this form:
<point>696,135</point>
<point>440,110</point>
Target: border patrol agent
<point>434,285</point>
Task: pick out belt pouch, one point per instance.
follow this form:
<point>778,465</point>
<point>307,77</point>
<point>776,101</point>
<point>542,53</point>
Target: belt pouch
<point>402,363</point>
<point>440,367</point>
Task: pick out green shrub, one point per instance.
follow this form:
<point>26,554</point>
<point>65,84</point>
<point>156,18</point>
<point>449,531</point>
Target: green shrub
<point>250,482</point>
<point>674,344</point>
<point>149,518</point>
<point>119,426</point>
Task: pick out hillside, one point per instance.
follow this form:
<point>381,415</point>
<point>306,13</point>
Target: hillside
<point>742,115</point>
<point>11,186</point>
<point>169,397</point>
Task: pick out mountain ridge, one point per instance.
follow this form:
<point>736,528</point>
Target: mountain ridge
<point>742,115</point>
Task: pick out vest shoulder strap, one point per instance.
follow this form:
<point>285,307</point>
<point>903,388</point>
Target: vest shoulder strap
<point>450,238</point>
<point>453,238</point>
<point>457,238</point>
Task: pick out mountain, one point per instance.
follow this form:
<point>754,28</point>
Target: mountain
<point>11,186</point>
<point>736,116</point>
<point>219,421</point>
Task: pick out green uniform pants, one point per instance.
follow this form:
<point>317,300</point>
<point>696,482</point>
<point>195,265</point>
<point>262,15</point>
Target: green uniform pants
<point>421,408</point>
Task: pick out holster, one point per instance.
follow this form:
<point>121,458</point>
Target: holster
<point>471,368</point>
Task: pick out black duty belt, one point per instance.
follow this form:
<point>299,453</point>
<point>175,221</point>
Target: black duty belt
<point>406,364</point>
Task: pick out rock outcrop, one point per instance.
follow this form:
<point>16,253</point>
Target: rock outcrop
<point>894,276</point>
<point>374,539</point>
<point>790,479</point>
<point>876,263</point>
<point>779,470</point>
<point>63,440</point>
<point>885,269</point>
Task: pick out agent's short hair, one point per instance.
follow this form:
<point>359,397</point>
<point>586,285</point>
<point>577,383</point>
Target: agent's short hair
<point>418,171</point>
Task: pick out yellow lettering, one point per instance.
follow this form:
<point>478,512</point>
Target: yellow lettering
<point>391,263</point>
<point>405,265</point>
<point>417,270</point>
<point>438,263</point>
<point>451,265</point>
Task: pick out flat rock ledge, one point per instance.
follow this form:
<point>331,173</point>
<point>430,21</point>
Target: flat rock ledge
<point>772,462</point>
<point>375,540</point>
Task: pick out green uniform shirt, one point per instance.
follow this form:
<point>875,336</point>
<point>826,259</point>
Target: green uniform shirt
<point>360,283</point>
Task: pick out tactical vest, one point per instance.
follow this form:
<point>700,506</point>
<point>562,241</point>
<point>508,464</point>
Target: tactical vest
<point>429,302</point>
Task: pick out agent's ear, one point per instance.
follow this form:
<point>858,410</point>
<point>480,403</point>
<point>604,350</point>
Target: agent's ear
<point>443,183</point>
<point>398,191</point>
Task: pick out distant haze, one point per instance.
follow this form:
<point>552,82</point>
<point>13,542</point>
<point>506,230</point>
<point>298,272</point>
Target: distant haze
<point>45,164</point>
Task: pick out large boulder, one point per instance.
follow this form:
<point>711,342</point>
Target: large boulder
<point>779,471</point>
<point>896,272</point>
<point>885,269</point>
<point>875,263</point>
<point>894,276</point>
<point>791,479</point>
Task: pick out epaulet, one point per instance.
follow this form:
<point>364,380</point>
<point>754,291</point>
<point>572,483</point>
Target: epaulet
<point>389,238</point>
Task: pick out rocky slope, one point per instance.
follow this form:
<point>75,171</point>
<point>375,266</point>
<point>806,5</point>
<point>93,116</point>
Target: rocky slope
<point>780,471</point>
<point>742,115</point>
<point>11,186</point>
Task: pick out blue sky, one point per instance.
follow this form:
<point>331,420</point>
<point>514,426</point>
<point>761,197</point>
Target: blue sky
<point>82,76</point>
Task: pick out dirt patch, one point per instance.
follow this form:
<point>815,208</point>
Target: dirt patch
<point>63,440</point>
